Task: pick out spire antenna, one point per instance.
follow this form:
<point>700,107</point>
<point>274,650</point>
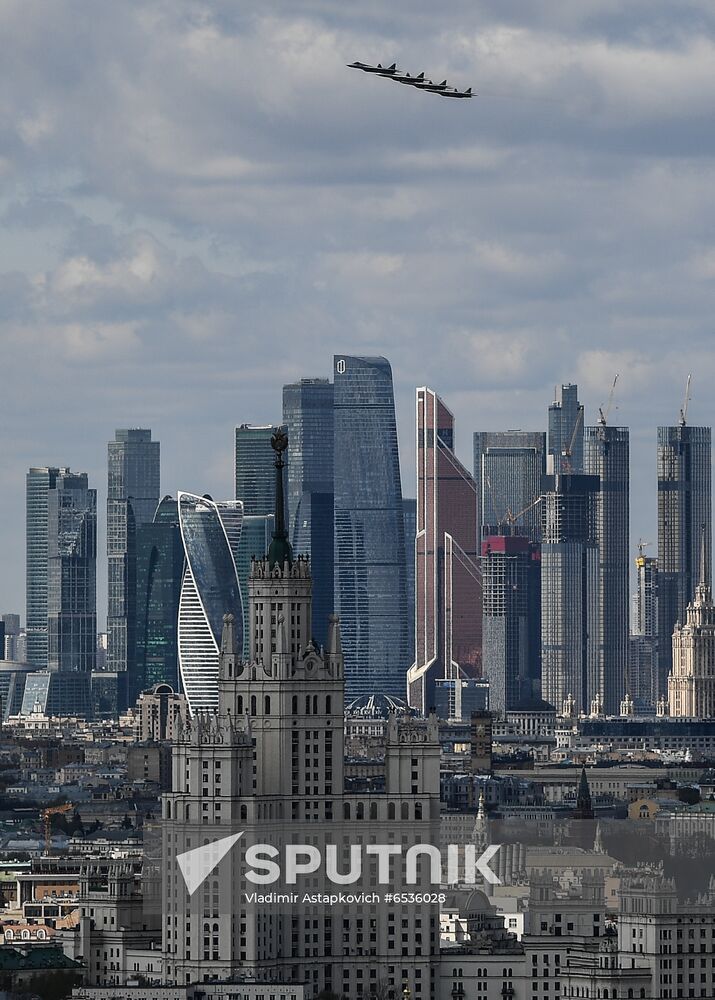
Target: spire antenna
<point>280,550</point>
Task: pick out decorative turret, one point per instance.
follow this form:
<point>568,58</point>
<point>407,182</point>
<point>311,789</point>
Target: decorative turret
<point>280,551</point>
<point>584,806</point>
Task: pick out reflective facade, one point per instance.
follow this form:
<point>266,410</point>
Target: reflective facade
<point>409,509</point>
<point>570,592</point>
<point>254,475</point>
<point>511,623</point>
<point>684,509</point>
<point>308,419</point>
<point>606,455</point>
<point>643,664</point>
<point>508,467</point>
<point>448,583</point>
<point>210,533</point>
<point>160,568</point>
<point>133,461</point>
<point>565,432</point>
<point>370,578</point>
<point>39,482</point>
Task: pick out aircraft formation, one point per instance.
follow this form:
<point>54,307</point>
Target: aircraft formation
<point>418,82</point>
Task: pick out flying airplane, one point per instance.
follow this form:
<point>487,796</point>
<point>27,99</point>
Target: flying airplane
<point>433,88</point>
<point>412,80</point>
<point>380,69</point>
<point>453,92</point>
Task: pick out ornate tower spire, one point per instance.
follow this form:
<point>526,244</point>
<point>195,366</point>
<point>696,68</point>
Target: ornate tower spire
<point>280,550</point>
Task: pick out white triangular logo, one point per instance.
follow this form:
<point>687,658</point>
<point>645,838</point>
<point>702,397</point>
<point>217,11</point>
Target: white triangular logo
<point>197,864</point>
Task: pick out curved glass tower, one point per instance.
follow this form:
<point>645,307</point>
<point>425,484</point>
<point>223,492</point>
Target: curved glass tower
<point>210,532</point>
<point>370,572</point>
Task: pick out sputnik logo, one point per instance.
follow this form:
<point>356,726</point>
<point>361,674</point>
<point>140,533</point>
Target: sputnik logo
<point>197,864</point>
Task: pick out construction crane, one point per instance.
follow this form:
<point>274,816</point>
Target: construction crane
<point>642,546</point>
<point>684,407</point>
<point>603,417</point>
<point>567,452</point>
<point>511,519</point>
<point>47,815</point>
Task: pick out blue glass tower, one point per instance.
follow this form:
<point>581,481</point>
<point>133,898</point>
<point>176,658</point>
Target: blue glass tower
<point>308,418</point>
<point>370,572</point>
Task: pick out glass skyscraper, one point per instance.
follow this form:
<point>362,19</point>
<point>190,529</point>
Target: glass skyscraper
<point>370,577</point>
<point>210,532</point>
<point>133,463</point>
<point>71,575</point>
<point>39,482</point>
<point>511,632</point>
<point>160,567</point>
<point>308,419</point>
<point>606,455</point>
<point>570,592</point>
<point>684,513</point>
<point>254,473</point>
<point>409,508</point>
<point>565,453</point>
<point>448,582</point>
<point>508,468</point>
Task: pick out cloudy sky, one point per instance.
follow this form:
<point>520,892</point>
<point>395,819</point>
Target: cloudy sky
<point>200,202</point>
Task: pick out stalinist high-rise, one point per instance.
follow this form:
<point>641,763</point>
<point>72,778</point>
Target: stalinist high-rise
<point>267,765</point>
<point>691,684</point>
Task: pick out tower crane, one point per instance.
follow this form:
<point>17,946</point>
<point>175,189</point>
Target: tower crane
<point>567,452</point>
<point>47,815</point>
<point>603,417</point>
<point>684,407</point>
<point>511,519</point>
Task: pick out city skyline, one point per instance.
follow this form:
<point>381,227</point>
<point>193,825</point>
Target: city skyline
<point>485,228</point>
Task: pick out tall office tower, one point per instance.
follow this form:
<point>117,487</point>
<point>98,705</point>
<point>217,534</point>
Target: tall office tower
<point>267,767</point>
<point>684,508</point>
<point>409,510</point>
<point>67,586</point>
<point>256,534</point>
<point>606,455</point>
<point>11,629</point>
<point>570,593</point>
<point>308,419</point>
<point>508,467</point>
<point>160,570</point>
<point>253,468</point>
<point>133,461</point>
<point>691,683</point>
<point>643,668</point>
<point>565,454</point>
<point>511,622</point>
<point>39,483</point>
<point>448,582</point>
<point>71,575</point>
<point>210,533</point>
<point>370,578</point>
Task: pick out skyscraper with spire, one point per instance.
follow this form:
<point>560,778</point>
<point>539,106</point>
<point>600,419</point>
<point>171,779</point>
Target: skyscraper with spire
<point>684,514</point>
<point>691,684</point>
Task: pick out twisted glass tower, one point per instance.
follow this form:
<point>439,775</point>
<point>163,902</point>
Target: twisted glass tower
<point>370,572</point>
<point>210,532</point>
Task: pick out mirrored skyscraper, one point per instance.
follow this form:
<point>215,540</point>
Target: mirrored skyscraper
<point>570,592</point>
<point>370,578</point>
<point>565,453</point>
<point>254,475</point>
<point>210,531</point>
<point>160,568</point>
<point>448,582</point>
<point>308,419</point>
<point>606,455</point>
<point>684,513</point>
<point>39,482</point>
<point>132,498</point>
<point>508,467</point>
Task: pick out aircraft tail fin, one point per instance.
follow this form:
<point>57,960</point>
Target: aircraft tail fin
<point>394,66</point>
<point>420,77</point>
<point>468,91</point>
<point>443,83</point>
